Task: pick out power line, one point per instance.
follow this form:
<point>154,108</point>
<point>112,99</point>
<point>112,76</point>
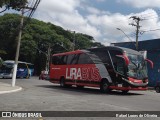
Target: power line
<point>150,30</point>
<point>31,4</point>
<point>4,10</point>
<point>34,8</point>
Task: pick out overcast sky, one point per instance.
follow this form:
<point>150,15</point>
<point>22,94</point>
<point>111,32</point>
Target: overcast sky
<point>100,18</point>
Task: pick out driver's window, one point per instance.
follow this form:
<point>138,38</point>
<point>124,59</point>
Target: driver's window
<point>114,57</point>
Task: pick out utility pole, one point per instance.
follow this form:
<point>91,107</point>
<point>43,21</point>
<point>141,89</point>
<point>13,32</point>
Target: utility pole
<point>137,20</point>
<point>74,40</point>
<point>18,48</point>
<point>48,57</point>
<point>19,38</point>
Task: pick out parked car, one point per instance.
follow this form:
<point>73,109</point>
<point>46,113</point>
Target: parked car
<point>157,87</point>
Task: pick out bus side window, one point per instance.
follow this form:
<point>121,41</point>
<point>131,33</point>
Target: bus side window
<point>72,59</point>
<point>84,59</point>
<point>75,59</point>
<point>55,60</point>
<point>103,55</point>
<point>22,65</point>
<point>64,60</point>
<point>69,59</point>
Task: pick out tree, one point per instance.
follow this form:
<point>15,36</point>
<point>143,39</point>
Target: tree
<point>9,30</point>
<point>12,4</point>
<point>1,61</point>
<point>36,37</point>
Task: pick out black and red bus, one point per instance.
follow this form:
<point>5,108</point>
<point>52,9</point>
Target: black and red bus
<point>109,68</point>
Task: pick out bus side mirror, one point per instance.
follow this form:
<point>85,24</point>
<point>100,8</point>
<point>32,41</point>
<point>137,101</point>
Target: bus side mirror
<point>150,62</point>
<point>144,53</point>
<point>125,58</point>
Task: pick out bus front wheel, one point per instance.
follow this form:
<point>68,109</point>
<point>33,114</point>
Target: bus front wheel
<point>104,86</point>
<point>157,88</point>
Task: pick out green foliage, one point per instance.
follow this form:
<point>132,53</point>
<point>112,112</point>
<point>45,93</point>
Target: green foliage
<point>9,31</point>
<point>13,4</point>
<point>2,52</point>
<point>36,37</point>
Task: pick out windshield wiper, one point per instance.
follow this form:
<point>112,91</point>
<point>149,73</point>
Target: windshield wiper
<point>134,64</point>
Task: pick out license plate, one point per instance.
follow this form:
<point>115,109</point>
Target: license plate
<point>119,85</point>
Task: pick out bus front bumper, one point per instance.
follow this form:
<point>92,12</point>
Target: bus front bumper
<point>136,84</point>
<point>128,88</point>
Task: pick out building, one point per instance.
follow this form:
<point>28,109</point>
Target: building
<point>153,53</point>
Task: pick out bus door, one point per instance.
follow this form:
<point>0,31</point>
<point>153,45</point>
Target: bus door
<point>117,65</point>
<point>22,70</point>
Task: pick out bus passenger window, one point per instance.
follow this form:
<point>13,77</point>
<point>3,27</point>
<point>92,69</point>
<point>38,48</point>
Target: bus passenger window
<point>84,59</point>
<point>55,60</point>
<point>75,59</point>
<point>64,60</point>
<point>69,59</point>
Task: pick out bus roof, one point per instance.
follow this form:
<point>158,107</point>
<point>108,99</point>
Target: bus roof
<point>122,49</point>
<point>12,61</point>
<point>67,53</point>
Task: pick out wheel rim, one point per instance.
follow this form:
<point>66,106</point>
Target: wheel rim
<point>62,83</point>
<point>157,89</point>
<point>105,86</point>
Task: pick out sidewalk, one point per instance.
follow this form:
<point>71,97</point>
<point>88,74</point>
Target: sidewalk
<point>7,88</point>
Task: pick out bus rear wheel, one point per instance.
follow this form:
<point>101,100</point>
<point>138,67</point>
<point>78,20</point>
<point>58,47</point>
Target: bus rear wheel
<point>125,91</point>
<point>104,87</point>
<point>62,82</point>
<point>80,87</point>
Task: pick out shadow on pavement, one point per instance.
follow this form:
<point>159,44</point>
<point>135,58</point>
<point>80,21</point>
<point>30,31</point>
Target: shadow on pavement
<point>86,90</point>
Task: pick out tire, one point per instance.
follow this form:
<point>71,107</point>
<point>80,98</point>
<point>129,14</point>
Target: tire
<point>125,91</point>
<point>157,89</point>
<point>28,76</point>
<point>62,82</point>
<point>104,86</point>
<point>68,86</point>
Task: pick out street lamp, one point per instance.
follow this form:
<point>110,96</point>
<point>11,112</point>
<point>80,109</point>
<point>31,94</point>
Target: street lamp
<point>124,34</point>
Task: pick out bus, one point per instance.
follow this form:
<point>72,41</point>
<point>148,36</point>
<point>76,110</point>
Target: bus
<point>24,69</point>
<point>109,68</point>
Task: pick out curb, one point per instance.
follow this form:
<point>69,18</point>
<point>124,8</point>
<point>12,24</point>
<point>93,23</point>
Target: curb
<point>10,91</point>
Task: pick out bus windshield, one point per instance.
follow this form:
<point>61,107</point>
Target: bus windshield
<point>137,67</point>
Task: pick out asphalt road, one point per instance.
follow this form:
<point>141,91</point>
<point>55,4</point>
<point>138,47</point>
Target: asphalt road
<point>40,95</point>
